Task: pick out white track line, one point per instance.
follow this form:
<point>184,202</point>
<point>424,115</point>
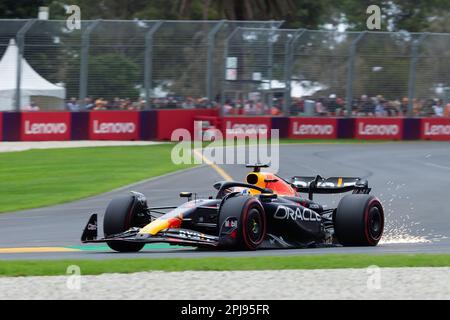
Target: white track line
<point>23,146</point>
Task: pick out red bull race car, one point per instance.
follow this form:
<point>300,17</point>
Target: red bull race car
<point>265,211</point>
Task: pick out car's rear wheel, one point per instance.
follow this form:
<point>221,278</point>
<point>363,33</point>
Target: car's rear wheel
<point>359,220</point>
<point>251,227</point>
<point>119,217</point>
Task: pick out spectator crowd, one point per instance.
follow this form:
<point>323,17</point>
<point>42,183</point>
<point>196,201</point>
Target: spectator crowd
<point>100,103</point>
<point>331,106</point>
<point>169,102</point>
<point>376,106</point>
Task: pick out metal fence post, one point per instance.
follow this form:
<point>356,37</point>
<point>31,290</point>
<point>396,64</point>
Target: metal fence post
<point>351,62</point>
<point>288,65</point>
<point>85,37</point>
<point>270,65</point>
<point>412,72</point>
<point>148,62</point>
<point>287,76</point>
<point>224,72</point>
<point>20,50</point>
<point>209,63</point>
<point>274,26</point>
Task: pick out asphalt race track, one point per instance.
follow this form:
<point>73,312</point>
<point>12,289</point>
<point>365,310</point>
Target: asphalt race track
<point>411,178</point>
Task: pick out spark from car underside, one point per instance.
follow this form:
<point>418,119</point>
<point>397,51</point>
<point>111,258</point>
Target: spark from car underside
<point>401,229</point>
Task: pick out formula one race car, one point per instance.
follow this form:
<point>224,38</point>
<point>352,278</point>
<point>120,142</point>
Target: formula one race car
<point>264,212</point>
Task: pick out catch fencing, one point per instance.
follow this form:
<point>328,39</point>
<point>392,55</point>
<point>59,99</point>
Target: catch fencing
<point>251,66</point>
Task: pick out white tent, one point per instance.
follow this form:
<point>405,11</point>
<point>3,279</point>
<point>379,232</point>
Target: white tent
<point>33,86</point>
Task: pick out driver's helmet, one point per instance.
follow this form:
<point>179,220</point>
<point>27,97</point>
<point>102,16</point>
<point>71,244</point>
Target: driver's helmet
<point>245,192</point>
<point>241,190</point>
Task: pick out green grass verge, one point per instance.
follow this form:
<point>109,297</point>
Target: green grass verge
<point>37,178</point>
<point>331,261</point>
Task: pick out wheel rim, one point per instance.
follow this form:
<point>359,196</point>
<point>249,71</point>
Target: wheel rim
<point>254,226</point>
<point>375,223</point>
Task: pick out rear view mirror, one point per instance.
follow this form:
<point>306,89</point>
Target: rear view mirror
<point>268,196</point>
<point>185,194</point>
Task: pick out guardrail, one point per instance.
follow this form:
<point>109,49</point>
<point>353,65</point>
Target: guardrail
<point>159,125</point>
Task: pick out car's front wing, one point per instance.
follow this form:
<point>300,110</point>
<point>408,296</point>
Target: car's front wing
<point>173,236</point>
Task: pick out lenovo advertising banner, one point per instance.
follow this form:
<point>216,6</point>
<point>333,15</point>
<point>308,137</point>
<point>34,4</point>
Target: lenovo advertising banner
<point>114,125</point>
<point>169,120</point>
<point>242,127</point>
<point>379,128</point>
<point>45,126</point>
<point>435,129</point>
<point>313,128</point>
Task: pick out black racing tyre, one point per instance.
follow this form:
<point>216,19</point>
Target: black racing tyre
<point>359,220</point>
<point>119,217</point>
<point>252,225</point>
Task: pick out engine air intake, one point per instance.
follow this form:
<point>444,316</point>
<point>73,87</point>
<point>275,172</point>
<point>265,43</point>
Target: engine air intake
<point>252,178</point>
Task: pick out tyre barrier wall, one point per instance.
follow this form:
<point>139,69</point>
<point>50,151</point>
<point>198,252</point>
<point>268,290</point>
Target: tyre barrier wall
<point>159,125</point>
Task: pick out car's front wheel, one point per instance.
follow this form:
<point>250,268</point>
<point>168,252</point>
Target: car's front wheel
<point>359,220</point>
<point>119,217</point>
<point>249,218</point>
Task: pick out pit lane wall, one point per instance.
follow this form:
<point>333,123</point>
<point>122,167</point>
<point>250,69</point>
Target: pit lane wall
<point>159,125</point>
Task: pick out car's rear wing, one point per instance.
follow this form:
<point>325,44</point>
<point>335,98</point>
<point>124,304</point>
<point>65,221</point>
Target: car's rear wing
<point>318,184</point>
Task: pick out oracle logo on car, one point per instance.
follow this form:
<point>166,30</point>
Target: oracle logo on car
<point>45,126</point>
<point>379,128</point>
<point>435,128</point>
<point>304,128</point>
<point>114,125</point>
